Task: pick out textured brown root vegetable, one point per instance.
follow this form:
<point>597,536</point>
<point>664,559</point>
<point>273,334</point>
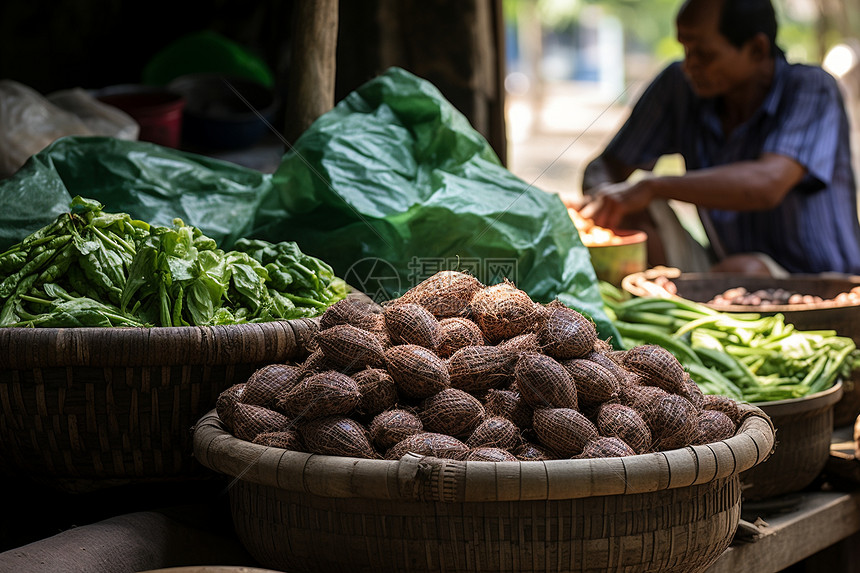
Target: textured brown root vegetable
<point>250,420</point>
<point>429,444</point>
<point>409,323</point>
<point>286,440</point>
<point>337,436</point>
<point>544,383</point>
<point>607,362</point>
<point>375,324</point>
<point>625,423</point>
<point>692,392</point>
<point>417,371</point>
<point>347,311</point>
<point>490,454</point>
<point>713,426</point>
<point>393,426</point>
<point>455,333</point>
<point>563,430</point>
<point>225,405</point>
<point>268,382</point>
<point>529,452</point>
<point>509,404</point>
<point>315,362</point>
<point>672,420</point>
<point>453,412</point>
<point>503,311</point>
<point>657,367</point>
<point>594,383</point>
<point>723,404</point>
<point>476,368</point>
<point>606,447</point>
<point>495,432</point>
<point>638,396</point>
<point>349,347</point>
<point>325,394</point>
<point>377,389</point>
<point>445,294</point>
<point>567,333</point>
<point>523,344</point>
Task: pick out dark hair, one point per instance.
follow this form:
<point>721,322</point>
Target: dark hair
<point>741,20</point>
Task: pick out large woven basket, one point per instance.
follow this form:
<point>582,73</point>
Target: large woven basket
<point>86,408</point>
<point>804,430</point>
<point>672,511</point>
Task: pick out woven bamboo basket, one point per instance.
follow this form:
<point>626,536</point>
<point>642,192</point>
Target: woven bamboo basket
<point>804,429</point>
<point>86,408</point>
<point>673,511</point>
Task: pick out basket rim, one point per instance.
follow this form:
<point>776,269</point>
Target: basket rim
<point>413,475</point>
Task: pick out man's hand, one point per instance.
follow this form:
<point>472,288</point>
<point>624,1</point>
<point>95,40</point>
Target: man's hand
<point>607,204</point>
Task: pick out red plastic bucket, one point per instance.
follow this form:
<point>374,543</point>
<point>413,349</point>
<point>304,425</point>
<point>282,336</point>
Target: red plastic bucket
<point>158,112</point>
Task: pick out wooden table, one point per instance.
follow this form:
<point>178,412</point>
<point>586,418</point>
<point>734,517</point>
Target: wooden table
<point>804,526</point>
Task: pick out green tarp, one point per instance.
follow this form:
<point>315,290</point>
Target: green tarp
<point>389,187</point>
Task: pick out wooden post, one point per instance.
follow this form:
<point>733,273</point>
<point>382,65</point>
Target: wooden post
<point>313,44</point>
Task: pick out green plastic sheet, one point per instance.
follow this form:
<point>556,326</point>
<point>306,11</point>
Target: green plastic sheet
<point>389,187</point>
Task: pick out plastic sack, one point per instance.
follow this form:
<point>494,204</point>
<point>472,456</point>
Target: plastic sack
<point>100,118</point>
<point>28,123</point>
<point>394,184</point>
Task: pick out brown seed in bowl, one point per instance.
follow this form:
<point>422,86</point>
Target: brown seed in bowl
<point>268,382</point>
<point>503,311</point>
<point>377,389</point>
<point>250,420</point>
<point>594,383</point>
<point>347,311</point>
<point>672,420</point>
<point>724,404</point>
<point>713,426</point>
<point>509,404</point>
<point>225,405</point>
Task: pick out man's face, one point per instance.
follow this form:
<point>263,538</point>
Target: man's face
<point>712,64</point>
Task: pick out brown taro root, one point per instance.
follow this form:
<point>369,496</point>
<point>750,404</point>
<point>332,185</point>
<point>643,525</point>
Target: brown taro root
<point>453,412</point>
<point>656,366</point>
<point>594,383</point>
<point>566,333</point>
<point>250,420</point>
<point>286,440</point>
<point>476,368</point>
<point>325,394</point>
<point>225,405</point>
<point>509,404</point>
<point>393,426</point>
<point>495,432</point>
<point>268,382</point>
<point>349,347</point>
<point>409,323</point>
<point>544,383</point>
<point>563,430</point>
<point>417,371</point>
<point>625,423</point>
<point>489,454</point>
<point>712,426</point>
<point>723,404</point>
<point>337,436</point>
<point>377,389</point>
<point>429,444</point>
<point>503,311</point>
<point>347,311</point>
<point>672,420</point>
<point>445,294</point>
<point>455,333</point>
<point>606,447</point>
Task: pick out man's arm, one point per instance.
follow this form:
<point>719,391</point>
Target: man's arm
<point>602,170</point>
<point>741,186</point>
